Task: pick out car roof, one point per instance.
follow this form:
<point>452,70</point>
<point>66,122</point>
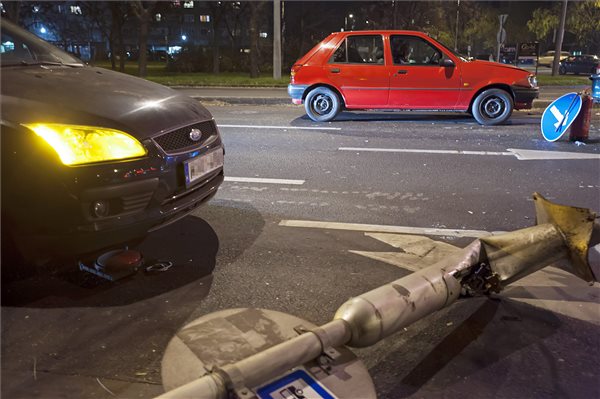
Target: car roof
<point>383,32</point>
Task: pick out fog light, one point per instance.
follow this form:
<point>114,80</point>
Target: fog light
<point>100,209</point>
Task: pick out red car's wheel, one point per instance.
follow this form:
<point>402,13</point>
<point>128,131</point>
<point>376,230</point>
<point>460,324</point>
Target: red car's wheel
<point>322,104</point>
<point>492,107</point>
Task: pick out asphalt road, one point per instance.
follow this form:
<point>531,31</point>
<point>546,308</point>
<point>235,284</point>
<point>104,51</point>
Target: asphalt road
<point>66,334</point>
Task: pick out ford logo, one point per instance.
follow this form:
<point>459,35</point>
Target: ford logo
<point>195,134</point>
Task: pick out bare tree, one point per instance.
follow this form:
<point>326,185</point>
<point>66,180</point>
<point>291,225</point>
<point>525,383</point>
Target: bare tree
<point>217,9</point>
<point>144,16</point>
<point>12,9</point>
<point>255,10</point>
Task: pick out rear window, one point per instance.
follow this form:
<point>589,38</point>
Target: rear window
<point>363,49</point>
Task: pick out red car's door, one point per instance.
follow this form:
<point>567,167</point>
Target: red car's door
<point>357,68</point>
<point>417,81</point>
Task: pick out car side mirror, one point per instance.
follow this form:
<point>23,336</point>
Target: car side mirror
<point>447,62</point>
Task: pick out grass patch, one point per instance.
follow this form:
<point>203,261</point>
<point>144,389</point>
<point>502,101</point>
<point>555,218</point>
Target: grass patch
<point>156,72</point>
<point>563,80</point>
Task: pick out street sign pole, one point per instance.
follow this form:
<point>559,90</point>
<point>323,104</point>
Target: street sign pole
<point>501,36</point>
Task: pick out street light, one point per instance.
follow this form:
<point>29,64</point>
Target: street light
<point>183,37</point>
<point>349,16</point>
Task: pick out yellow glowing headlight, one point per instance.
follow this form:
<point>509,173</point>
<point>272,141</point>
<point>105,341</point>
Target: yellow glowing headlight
<point>78,145</point>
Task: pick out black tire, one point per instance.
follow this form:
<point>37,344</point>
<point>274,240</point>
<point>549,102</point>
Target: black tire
<point>492,107</point>
<point>322,104</point>
<point>562,70</point>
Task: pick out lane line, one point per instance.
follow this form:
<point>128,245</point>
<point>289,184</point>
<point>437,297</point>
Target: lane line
<point>387,228</point>
<point>520,154</point>
<point>454,152</point>
<point>282,127</point>
<point>531,155</point>
<point>264,180</point>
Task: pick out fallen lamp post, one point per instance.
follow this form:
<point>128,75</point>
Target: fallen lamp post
<point>319,354</point>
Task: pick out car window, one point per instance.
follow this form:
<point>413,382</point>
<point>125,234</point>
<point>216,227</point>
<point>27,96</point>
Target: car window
<point>13,50</point>
<point>363,49</point>
<point>20,47</point>
<point>414,51</point>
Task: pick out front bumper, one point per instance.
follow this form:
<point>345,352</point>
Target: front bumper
<point>140,196</point>
<point>296,92</point>
<point>524,96</point>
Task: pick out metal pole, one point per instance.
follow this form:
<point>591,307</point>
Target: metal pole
<point>559,39</point>
<point>456,34</point>
<point>277,39</point>
<point>487,265</point>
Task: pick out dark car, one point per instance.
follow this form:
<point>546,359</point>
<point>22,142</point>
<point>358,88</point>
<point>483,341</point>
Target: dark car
<point>577,64</point>
<point>91,158</point>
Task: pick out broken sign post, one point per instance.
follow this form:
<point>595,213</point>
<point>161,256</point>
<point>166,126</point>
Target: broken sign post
<point>487,265</point>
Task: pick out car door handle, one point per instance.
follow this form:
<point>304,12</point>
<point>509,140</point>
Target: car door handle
<point>335,70</point>
<point>402,72</point>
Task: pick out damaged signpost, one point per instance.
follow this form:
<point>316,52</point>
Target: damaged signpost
<point>251,353</point>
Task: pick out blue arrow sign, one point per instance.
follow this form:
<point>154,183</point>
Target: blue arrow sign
<point>559,115</point>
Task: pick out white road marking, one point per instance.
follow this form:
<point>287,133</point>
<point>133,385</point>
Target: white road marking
<point>520,154</point>
<point>387,228</point>
<point>454,152</point>
<point>282,127</point>
<point>530,155</point>
<point>263,180</point>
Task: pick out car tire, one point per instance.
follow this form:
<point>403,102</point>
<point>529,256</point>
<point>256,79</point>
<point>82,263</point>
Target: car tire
<point>322,104</point>
<point>492,107</point>
<point>562,70</point>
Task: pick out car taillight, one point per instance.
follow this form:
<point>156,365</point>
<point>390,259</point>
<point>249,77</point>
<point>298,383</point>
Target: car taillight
<point>295,69</point>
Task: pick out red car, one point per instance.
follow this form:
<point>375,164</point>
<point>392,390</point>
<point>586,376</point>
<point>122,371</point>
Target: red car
<point>405,70</point>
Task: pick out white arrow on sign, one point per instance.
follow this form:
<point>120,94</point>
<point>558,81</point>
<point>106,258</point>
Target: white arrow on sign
<point>560,118</point>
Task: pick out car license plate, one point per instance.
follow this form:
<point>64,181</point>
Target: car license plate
<point>198,167</point>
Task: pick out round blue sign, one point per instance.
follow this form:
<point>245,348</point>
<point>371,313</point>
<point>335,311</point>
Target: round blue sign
<point>559,115</point>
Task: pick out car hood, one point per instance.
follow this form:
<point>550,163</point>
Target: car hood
<point>490,64</point>
<point>95,97</point>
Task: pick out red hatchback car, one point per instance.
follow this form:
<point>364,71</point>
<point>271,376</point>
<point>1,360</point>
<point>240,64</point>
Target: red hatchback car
<point>405,70</point>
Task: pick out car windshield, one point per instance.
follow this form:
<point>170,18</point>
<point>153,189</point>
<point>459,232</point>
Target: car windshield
<point>457,54</point>
<point>19,47</point>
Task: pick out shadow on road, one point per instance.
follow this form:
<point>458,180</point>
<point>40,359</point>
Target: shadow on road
<point>190,244</point>
<point>498,335</point>
<point>413,117</point>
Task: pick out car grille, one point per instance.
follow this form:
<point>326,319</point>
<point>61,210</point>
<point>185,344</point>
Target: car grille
<point>178,141</point>
<point>136,202</point>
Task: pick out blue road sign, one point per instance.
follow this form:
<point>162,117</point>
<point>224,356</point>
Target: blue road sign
<point>559,115</point>
<point>296,385</point>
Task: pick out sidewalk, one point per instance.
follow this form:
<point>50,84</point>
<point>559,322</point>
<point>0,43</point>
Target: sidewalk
<point>279,96</point>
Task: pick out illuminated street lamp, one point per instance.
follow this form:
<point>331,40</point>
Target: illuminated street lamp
<point>183,37</point>
<point>42,30</point>
<point>346,18</point>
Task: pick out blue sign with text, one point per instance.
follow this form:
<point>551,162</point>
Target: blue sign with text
<point>559,115</point>
<point>296,385</point>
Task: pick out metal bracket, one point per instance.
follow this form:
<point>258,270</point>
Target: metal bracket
<point>481,281</point>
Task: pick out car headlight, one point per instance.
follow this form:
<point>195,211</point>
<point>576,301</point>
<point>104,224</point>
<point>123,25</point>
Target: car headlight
<point>532,81</point>
<point>77,145</point>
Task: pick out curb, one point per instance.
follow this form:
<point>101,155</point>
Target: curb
<point>286,101</point>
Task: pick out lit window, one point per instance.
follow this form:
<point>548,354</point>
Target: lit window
<point>158,17</point>
<point>76,10</point>
<point>188,4</point>
<point>204,18</point>
<point>264,35</point>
